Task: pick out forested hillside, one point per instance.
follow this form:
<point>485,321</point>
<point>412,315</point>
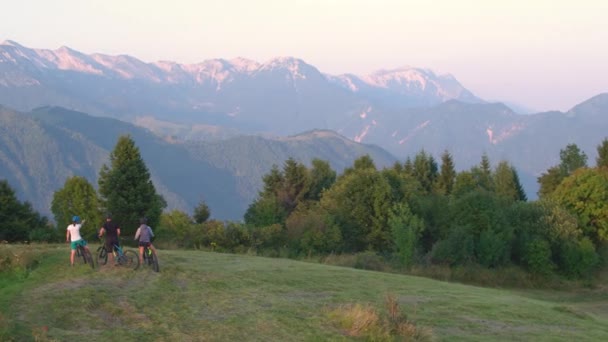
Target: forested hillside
<point>41,149</point>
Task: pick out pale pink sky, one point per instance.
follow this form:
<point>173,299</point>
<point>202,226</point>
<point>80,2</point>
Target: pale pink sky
<point>538,53</point>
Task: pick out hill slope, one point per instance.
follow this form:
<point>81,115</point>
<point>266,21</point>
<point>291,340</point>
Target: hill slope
<point>39,150</point>
<point>221,297</point>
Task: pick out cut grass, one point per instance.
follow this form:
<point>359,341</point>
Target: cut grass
<point>223,297</point>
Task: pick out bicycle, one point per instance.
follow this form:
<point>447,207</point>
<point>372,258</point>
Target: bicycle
<point>87,258</point>
<point>122,257</point>
<point>151,259</point>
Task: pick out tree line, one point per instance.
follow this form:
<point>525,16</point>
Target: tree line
<point>417,212</point>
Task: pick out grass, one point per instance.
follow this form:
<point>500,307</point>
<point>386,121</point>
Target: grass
<point>203,296</point>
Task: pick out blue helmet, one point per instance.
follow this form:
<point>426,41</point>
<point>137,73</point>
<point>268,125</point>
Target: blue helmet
<point>75,219</point>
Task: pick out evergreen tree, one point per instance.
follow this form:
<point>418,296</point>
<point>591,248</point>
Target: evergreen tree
<point>273,181</point>
<point>17,219</point>
<point>126,188</point>
<point>201,212</point>
<point>408,166</point>
<point>505,183</point>
<point>425,170</point>
<point>295,184</point>
<point>521,193</point>
<point>483,173</point>
<point>77,197</point>
<point>447,175</point>
<point>321,178</point>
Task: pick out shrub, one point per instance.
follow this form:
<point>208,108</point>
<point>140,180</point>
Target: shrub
<point>537,257</point>
<point>369,261</point>
<point>365,321</point>
<point>457,249</point>
<point>578,259</point>
<point>493,248</point>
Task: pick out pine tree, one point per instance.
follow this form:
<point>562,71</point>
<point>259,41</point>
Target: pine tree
<point>484,173</point>
<point>447,175</point>
<point>425,170</point>
<point>17,219</point>
<point>322,176</point>
<point>201,212</point>
<point>126,188</point>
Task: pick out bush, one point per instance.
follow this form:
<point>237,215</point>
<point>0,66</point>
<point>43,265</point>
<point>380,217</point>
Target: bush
<point>369,261</point>
<point>45,234</point>
<point>457,249</point>
<point>578,259</point>
<point>537,257</point>
<point>493,248</point>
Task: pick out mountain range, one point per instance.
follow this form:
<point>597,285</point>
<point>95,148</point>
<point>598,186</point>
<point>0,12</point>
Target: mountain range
<point>240,101</point>
<point>40,149</point>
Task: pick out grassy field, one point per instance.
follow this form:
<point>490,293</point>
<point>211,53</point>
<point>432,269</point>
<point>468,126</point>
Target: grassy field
<point>201,296</point>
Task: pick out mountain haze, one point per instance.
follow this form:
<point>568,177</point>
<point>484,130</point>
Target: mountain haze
<point>39,150</point>
<point>284,95</point>
<point>401,110</point>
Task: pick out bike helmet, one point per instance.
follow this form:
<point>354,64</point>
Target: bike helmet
<point>75,219</point>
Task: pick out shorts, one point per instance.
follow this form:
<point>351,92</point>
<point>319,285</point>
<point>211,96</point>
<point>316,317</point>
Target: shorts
<point>110,243</point>
<point>144,244</point>
<point>74,245</point>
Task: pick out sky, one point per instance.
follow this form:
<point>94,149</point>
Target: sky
<point>543,55</point>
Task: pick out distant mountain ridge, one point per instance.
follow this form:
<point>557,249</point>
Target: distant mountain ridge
<point>40,149</point>
<point>402,110</point>
<point>284,95</point>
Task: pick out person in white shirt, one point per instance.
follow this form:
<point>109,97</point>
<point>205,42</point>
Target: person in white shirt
<point>73,235</point>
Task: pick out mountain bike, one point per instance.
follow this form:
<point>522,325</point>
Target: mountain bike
<point>85,253</point>
<point>151,259</point>
<point>126,258</point>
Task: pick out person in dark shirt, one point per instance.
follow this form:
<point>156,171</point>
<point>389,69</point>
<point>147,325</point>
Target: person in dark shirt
<point>112,231</point>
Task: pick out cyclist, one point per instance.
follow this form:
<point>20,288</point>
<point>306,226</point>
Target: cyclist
<point>73,235</point>
<point>112,231</point>
<point>144,234</point>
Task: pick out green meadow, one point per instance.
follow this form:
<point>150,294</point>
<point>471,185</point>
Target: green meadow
<point>206,296</point>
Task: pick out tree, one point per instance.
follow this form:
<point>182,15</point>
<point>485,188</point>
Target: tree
<point>506,182</point>
<point>425,170</point>
<point>406,229</point>
<point>360,202</point>
<point>447,175</point>
<point>483,173</point>
<point>602,154</point>
<point>549,181</point>
<point>77,197</point>
<point>126,188</point>
<point>585,195</point>
<point>322,176</point>
<point>17,219</point>
<point>572,158</point>
<point>201,212</point>
<point>295,184</point>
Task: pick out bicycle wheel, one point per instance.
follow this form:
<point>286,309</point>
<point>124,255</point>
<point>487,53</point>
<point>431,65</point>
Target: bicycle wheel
<point>155,266</point>
<point>80,251</point>
<point>89,258</point>
<point>102,255</point>
<point>129,259</point>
